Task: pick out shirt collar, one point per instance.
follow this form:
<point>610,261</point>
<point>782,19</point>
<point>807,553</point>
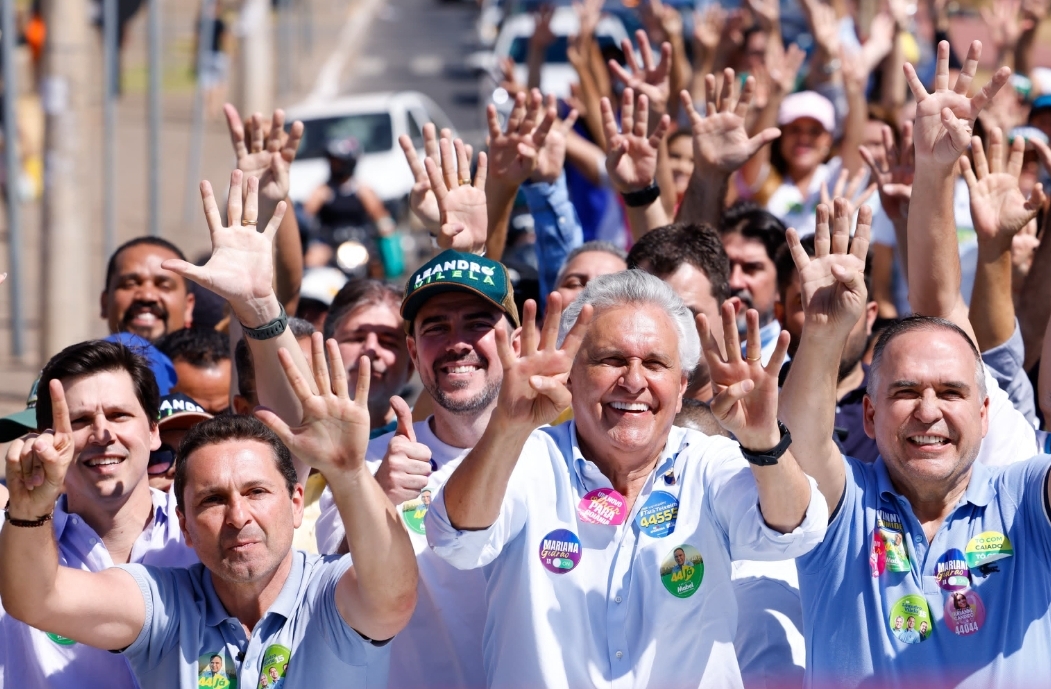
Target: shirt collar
<point>980,491</point>
<point>675,444</point>
<point>285,604</point>
<point>160,518</point>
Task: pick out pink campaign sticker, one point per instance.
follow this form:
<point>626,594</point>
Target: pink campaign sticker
<point>964,612</point>
<point>603,506</point>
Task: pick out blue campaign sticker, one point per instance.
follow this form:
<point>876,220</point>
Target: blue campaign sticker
<point>951,571</point>
<point>657,517</point>
<point>560,551</point>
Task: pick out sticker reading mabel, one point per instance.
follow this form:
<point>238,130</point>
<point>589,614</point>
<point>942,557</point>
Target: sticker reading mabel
<point>275,665</point>
<point>413,511</point>
<point>910,619</point>
<point>682,571</point>
<point>216,671</point>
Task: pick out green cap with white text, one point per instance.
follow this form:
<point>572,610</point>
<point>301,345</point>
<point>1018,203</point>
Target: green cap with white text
<point>453,271</point>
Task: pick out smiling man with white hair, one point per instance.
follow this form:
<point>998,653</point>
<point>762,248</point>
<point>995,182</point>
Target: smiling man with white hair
<point>614,533</point>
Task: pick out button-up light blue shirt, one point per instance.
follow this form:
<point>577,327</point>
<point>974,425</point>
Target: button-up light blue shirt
<point>617,608</point>
<point>984,583</point>
<point>302,634</point>
<point>32,658</point>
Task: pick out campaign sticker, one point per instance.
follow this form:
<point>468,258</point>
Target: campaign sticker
<point>682,571</point>
<point>878,555</point>
<point>413,511</point>
<point>964,612</point>
<point>560,551</point>
<point>889,528</point>
<point>603,506</point>
<point>988,547</point>
<point>910,619</point>
<point>60,640</point>
<point>657,517</point>
<point>216,671</point>
<point>275,666</point>
<point>951,571</point>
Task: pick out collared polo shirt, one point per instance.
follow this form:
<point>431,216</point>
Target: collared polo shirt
<point>32,658</point>
<point>442,645</point>
<point>647,603</point>
<point>978,595</point>
<point>302,635</point>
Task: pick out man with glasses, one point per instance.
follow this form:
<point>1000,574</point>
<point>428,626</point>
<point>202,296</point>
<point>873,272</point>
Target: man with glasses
<point>178,414</point>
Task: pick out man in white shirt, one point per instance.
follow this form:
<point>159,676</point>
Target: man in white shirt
<point>577,540</point>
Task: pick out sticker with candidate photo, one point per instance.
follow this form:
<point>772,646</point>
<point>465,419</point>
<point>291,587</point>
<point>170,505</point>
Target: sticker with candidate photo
<point>985,549</point>
<point>910,619</point>
<point>951,571</point>
<point>560,551</point>
<point>889,528</point>
<point>275,667</point>
<point>216,670</point>
<point>878,555</point>
<point>658,516</point>
<point>964,612</point>
<point>603,506</point>
<point>413,511</point>
<point>682,571</point>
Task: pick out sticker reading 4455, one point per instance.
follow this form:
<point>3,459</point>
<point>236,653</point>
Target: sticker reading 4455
<point>657,517</point>
<point>560,551</point>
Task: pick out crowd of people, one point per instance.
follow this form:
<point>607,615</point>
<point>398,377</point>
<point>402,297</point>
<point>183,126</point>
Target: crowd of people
<point>769,416</point>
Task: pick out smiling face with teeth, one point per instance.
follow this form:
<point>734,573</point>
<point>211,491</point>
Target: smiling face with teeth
<point>928,412</point>
<point>627,386</point>
<point>143,298</point>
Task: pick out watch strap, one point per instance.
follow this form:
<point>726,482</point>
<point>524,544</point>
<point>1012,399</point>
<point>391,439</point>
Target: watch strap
<point>269,330</point>
<point>769,457</point>
<point>642,197</point>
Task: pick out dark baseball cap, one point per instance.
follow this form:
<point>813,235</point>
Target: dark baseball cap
<point>178,411</point>
<point>1040,103</point>
<point>453,271</point>
<point>21,422</point>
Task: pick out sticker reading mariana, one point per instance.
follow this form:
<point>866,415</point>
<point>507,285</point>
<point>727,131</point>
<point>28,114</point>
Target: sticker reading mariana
<point>560,551</point>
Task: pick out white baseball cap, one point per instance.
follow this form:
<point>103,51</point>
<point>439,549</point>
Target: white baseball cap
<point>807,104</point>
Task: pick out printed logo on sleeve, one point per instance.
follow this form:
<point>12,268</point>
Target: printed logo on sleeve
<point>413,511</point>
<point>951,571</point>
<point>275,667</point>
<point>986,548</point>
<point>910,619</point>
<point>889,528</point>
<point>658,516</point>
<point>603,506</point>
<point>964,612</point>
<point>560,551</point>
<point>216,670</point>
<point>682,571</point>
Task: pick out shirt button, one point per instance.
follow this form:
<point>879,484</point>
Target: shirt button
<point>619,654</point>
<point>94,541</point>
<point>75,520</point>
<point>618,599</point>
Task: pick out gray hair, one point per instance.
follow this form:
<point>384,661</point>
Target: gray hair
<point>638,287</point>
<point>599,245</point>
<point>922,323</point>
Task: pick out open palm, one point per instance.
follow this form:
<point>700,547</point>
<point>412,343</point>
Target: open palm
<point>263,154</point>
<point>999,210</point>
<point>632,158</point>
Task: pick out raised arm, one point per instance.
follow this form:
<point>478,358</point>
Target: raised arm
<point>101,609</point>
<point>378,594</point>
<point>832,285</point>
<point>942,132</point>
<point>532,394</point>
<point>1034,304</point>
<point>893,175</point>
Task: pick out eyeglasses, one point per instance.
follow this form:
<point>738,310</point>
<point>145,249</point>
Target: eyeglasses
<point>161,460</point>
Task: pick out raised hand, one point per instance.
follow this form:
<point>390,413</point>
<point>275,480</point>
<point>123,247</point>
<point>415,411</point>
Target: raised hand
<point>534,390</point>
<point>848,189</point>
<point>422,201</point>
<point>1004,22</point>
<point>893,170</point>
<point>404,470</point>
<point>999,210</point>
<point>720,140</point>
<point>461,204</point>
<point>37,464</point>
<point>832,283</point>
<point>513,152</point>
<point>767,13</point>
<point>652,78</point>
<point>708,26</point>
<point>265,153</point>
<point>241,268</point>
<point>745,400</point>
<point>588,12</point>
<point>334,433</point>
<point>824,26</point>
<point>632,158</point>
<point>552,156</point>
<point>945,118</point>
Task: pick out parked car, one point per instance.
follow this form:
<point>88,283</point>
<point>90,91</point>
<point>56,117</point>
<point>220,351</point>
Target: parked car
<point>376,121</point>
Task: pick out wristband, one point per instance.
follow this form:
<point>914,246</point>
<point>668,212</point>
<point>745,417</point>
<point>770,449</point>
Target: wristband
<point>642,197</point>
<point>25,523</point>
<point>769,457</point>
<point>270,330</point>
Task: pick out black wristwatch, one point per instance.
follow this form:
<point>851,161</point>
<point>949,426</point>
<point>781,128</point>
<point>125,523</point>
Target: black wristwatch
<point>269,330</point>
<point>642,197</point>
<point>769,457</point>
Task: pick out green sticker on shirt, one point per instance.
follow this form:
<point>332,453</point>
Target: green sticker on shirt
<point>987,547</point>
<point>60,640</point>
<point>216,671</point>
<point>890,530</point>
<point>275,665</point>
<point>682,571</point>
<point>413,511</point>
<point>910,619</point>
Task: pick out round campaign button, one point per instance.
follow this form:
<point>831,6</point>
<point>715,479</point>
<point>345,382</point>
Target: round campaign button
<point>413,511</point>
<point>560,551</point>
<point>682,571</point>
<point>951,571</point>
<point>987,547</point>
<point>657,517</point>
<point>60,640</point>
<point>603,506</point>
<point>964,612</point>
<point>910,619</point>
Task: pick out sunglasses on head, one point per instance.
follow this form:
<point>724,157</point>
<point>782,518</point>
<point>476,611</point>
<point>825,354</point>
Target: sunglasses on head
<point>161,460</point>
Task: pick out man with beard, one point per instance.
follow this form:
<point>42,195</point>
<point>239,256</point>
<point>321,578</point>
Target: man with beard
<point>140,296</point>
<point>853,375</point>
<point>453,308</point>
<point>752,237</point>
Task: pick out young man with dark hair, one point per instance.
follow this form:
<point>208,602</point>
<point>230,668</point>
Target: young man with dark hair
<point>141,297</point>
<point>108,515</point>
<point>202,363</point>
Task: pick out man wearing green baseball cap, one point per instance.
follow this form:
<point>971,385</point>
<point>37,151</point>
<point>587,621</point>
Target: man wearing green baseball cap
<point>18,424</point>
